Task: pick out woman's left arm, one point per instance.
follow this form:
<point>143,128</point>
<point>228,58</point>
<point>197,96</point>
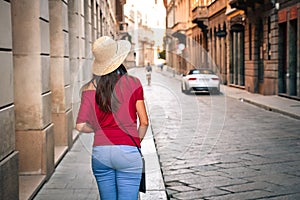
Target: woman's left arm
<point>143,118</point>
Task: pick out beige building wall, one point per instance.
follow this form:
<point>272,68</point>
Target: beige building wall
<point>8,153</point>
<point>31,60</point>
<point>45,56</point>
<point>217,42</point>
<point>60,77</point>
<point>143,28</point>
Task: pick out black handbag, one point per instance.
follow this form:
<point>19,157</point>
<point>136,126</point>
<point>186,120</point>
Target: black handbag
<point>143,180</point>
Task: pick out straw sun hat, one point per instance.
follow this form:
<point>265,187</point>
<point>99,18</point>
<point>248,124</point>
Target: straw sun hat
<point>109,54</point>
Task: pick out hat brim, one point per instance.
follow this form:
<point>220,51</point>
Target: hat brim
<point>113,63</point>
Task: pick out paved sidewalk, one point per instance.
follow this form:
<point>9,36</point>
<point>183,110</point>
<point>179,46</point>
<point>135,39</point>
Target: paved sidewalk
<point>73,178</point>
<point>154,180</point>
<point>273,103</point>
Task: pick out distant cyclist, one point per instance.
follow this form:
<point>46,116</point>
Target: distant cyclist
<point>148,73</point>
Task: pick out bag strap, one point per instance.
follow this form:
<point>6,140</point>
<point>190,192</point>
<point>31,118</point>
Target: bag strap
<point>134,142</point>
<point>125,130</point>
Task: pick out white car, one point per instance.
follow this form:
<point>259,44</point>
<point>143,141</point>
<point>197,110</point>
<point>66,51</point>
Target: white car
<point>200,80</point>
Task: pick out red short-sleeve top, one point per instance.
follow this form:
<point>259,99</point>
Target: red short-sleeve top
<point>112,128</point>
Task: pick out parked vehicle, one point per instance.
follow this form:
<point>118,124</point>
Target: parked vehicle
<point>200,80</point>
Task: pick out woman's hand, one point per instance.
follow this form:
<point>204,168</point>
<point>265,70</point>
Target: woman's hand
<point>84,127</point>
<point>143,118</point>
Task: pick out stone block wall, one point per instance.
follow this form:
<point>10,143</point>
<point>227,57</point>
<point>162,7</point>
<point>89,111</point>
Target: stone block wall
<point>32,95</point>
<point>9,179</point>
<point>45,57</point>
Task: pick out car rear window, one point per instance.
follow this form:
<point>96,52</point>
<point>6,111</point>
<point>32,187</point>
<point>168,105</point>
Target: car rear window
<point>206,71</point>
<point>201,71</point>
<point>194,72</point>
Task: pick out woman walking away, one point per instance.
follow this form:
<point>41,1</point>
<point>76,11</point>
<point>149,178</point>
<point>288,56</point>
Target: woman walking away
<point>148,73</point>
<point>111,105</point>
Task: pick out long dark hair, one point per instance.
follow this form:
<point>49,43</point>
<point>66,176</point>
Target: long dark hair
<point>106,98</point>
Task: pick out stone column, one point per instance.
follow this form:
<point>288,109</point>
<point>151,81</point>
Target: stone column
<point>79,58</point>
<point>236,57</point>
<point>9,179</point>
<point>271,65</point>
<point>223,60</point>
<point>87,27</point>
<point>74,52</point>
<point>60,76</point>
<point>31,48</point>
<point>241,59</point>
<point>298,55</point>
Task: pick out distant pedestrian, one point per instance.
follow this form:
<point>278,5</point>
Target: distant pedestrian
<point>148,73</point>
<point>111,104</point>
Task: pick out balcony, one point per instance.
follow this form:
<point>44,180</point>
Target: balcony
<point>200,16</point>
<point>244,4</point>
<point>180,26</point>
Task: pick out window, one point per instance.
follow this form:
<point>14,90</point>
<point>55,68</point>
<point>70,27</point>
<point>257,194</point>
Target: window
<point>269,38</point>
<point>250,41</point>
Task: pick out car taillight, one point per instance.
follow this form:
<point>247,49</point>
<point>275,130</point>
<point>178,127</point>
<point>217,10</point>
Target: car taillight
<point>192,79</point>
<point>215,79</point>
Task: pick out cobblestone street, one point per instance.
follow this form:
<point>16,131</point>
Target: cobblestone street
<point>216,147</point>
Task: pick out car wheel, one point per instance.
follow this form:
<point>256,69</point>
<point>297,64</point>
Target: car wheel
<point>182,90</point>
<point>187,90</point>
<point>218,90</point>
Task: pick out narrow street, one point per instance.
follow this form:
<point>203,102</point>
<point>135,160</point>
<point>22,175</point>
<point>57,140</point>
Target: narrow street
<point>208,146</point>
<point>241,144</point>
<point>216,147</point>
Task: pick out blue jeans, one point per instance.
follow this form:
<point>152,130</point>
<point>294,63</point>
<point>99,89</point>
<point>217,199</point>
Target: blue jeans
<point>117,169</point>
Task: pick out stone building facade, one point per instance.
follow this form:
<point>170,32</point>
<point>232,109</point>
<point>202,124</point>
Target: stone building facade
<point>271,56</point>
<point>145,29</point>
<point>252,45</point>
<point>288,47</point>
<point>45,49</point>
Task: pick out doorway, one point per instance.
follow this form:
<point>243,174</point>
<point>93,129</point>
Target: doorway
<point>288,81</point>
<point>237,61</point>
<point>261,49</point>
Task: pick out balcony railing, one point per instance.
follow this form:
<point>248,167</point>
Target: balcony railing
<point>200,16</point>
<point>180,26</point>
<point>244,4</point>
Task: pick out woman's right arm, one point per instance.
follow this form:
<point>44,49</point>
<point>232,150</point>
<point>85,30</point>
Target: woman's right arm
<point>84,115</point>
<point>143,118</point>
